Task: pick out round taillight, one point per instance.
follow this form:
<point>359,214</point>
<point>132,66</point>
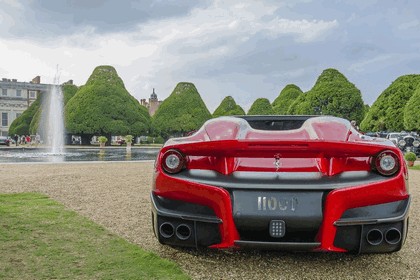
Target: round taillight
<point>173,161</point>
<point>387,163</point>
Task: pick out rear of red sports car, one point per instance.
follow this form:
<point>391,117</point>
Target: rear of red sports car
<point>281,182</point>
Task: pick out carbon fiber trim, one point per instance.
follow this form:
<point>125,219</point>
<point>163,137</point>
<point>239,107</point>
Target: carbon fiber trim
<point>183,210</point>
<point>376,214</point>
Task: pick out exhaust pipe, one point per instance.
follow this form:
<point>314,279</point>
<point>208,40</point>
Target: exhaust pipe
<point>392,236</point>
<point>374,237</point>
<point>166,230</point>
<point>183,231</point>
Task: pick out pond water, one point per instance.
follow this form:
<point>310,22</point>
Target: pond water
<point>16,155</point>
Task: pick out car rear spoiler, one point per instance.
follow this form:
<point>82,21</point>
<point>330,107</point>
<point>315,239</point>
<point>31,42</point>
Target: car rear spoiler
<point>284,149</point>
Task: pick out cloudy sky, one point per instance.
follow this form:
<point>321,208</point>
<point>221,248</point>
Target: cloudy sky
<point>246,49</point>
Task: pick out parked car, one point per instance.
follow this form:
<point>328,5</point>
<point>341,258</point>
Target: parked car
<point>121,141</point>
<point>372,134</point>
<point>393,136</point>
<point>281,182</point>
<point>409,143</point>
<point>4,140</point>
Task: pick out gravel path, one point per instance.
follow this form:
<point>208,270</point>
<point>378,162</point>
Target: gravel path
<point>116,195</point>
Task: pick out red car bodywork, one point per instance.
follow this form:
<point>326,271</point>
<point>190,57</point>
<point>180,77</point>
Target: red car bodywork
<point>245,176</point>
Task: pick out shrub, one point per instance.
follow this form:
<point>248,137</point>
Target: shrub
<point>128,138</point>
<point>159,140</point>
<point>102,139</point>
<point>410,156</point>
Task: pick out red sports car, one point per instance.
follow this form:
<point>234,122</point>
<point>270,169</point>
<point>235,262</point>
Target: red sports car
<point>299,183</point>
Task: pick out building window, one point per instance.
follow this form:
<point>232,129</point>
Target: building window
<point>4,91</point>
<point>32,94</point>
<point>18,92</point>
<point>4,119</point>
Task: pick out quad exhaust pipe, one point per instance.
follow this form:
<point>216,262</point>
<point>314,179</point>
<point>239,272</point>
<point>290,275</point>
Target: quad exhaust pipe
<point>182,231</point>
<point>375,237</point>
<point>392,236</point>
<point>166,230</point>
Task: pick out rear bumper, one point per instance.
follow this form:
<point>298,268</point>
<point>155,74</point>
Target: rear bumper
<point>184,224</point>
<point>362,218</point>
<point>373,229</point>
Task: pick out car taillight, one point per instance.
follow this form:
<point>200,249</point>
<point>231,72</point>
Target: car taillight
<point>386,163</point>
<point>173,161</point>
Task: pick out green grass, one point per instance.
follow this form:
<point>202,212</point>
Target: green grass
<point>40,239</point>
<point>415,167</point>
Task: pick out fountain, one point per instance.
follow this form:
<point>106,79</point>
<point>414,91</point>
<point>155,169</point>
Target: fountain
<point>52,121</point>
<point>51,130</point>
<point>54,130</point>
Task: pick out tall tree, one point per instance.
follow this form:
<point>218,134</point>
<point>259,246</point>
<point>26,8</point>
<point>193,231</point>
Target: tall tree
<point>387,112</point>
<point>287,96</point>
<point>68,90</point>
<point>104,107</point>
<point>333,95</point>
<point>183,111</point>
<point>412,112</point>
<point>228,107</point>
<point>21,125</point>
<point>261,106</point>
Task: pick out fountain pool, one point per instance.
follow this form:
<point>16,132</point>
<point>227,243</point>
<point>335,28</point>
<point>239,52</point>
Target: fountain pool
<point>27,155</point>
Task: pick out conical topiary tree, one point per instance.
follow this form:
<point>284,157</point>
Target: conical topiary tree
<point>333,95</point>
<point>287,96</point>
<point>21,125</point>
<point>387,112</point>
<point>261,106</point>
<point>69,90</point>
<point>104,107</point>
<point>183,111</point>
<point>228,107</point>
<point>412,112</point>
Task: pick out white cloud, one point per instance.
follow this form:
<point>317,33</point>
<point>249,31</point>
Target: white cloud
<point>306,31</point>
<point>156,54</point>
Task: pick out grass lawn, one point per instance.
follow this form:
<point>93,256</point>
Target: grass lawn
<point>40,239</point>
<point>415,167</point>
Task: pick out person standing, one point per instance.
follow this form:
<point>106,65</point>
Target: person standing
<point>16,138</point>
<point>28,140</point>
